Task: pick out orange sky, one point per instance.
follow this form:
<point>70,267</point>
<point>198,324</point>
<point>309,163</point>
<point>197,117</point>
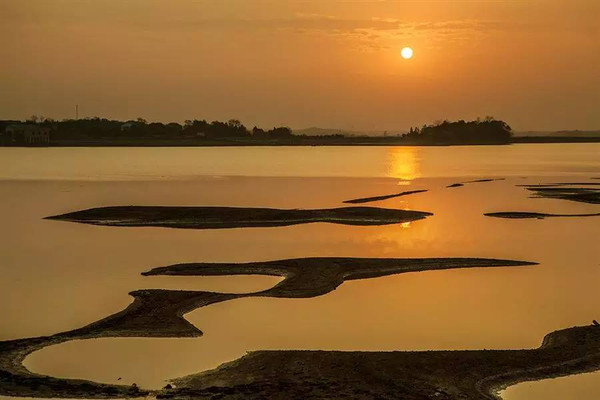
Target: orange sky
<point>534,63</point>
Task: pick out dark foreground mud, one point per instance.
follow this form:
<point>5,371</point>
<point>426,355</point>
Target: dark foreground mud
<point>159,313</point>
<point>235,217</point>
<point>468,375</point>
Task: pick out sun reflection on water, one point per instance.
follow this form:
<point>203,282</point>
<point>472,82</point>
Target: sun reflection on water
<point>403,163</point>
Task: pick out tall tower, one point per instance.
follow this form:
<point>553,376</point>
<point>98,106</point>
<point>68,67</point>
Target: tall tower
<point>76,111</point>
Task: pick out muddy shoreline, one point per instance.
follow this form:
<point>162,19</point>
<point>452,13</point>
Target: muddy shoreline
<point>472,374</point>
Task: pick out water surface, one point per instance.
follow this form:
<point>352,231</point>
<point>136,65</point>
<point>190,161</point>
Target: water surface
<point>151,163</point>
<point>63,275</point>
<point>583,386</point>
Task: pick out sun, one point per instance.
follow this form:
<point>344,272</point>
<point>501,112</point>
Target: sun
<point>406,53</point>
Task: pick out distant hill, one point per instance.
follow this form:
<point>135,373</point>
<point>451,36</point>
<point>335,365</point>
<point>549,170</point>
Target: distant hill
<point>315,131</point>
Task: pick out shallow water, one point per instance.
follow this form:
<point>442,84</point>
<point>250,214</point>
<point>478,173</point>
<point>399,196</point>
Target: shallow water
<point>63,275</point>
<point>583,386</point>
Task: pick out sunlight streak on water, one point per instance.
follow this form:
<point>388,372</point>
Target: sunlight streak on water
<point>403,163</point>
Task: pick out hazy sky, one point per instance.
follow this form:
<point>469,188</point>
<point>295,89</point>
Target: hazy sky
<point>533,63</point>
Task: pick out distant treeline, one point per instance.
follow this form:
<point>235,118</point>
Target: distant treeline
<point>488,130</point>
<point>73,131</point>
<point>140,128</point>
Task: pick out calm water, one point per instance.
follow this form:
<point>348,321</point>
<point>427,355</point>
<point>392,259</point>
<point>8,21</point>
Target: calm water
<point>58,276</point>
<point>146,163</point>
<point>584,386</point>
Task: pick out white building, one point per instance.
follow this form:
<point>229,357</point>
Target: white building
<point>28,134</point>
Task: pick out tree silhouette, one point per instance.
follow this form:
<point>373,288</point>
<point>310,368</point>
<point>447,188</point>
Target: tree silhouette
<point>488,130</point>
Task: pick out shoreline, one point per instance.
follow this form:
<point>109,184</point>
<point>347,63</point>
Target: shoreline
<point>409,375</point>
<point>298,142</point>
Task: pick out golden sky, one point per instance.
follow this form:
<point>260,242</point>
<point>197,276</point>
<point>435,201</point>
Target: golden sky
<point>335,64</point>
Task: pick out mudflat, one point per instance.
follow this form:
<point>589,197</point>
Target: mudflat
<point>471,375</point>
<point>159,313</point>
<point>384,197</point>
<point>532,215</point>
<point>235,217</point>
<point>587,194</point>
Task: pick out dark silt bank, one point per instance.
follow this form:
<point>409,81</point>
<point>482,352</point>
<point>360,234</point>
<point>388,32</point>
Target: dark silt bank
<point>407,375</point>
<point>385,197</point>
<point>530,215</point>
<point>235,217</point>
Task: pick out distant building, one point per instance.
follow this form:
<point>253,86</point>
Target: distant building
<point>27,134</point>
<point>127,126</point>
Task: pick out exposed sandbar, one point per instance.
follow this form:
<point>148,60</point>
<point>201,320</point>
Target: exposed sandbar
<point>235,217</point>
<point>385,197</point>
<point>159,313</point>
<point>485,180</point>
<point>470,375</point>
<point>544,185</point>
<point>459,184</point>
<point>525,215</point>
<point>308,277</point>
<point>581,195</point>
